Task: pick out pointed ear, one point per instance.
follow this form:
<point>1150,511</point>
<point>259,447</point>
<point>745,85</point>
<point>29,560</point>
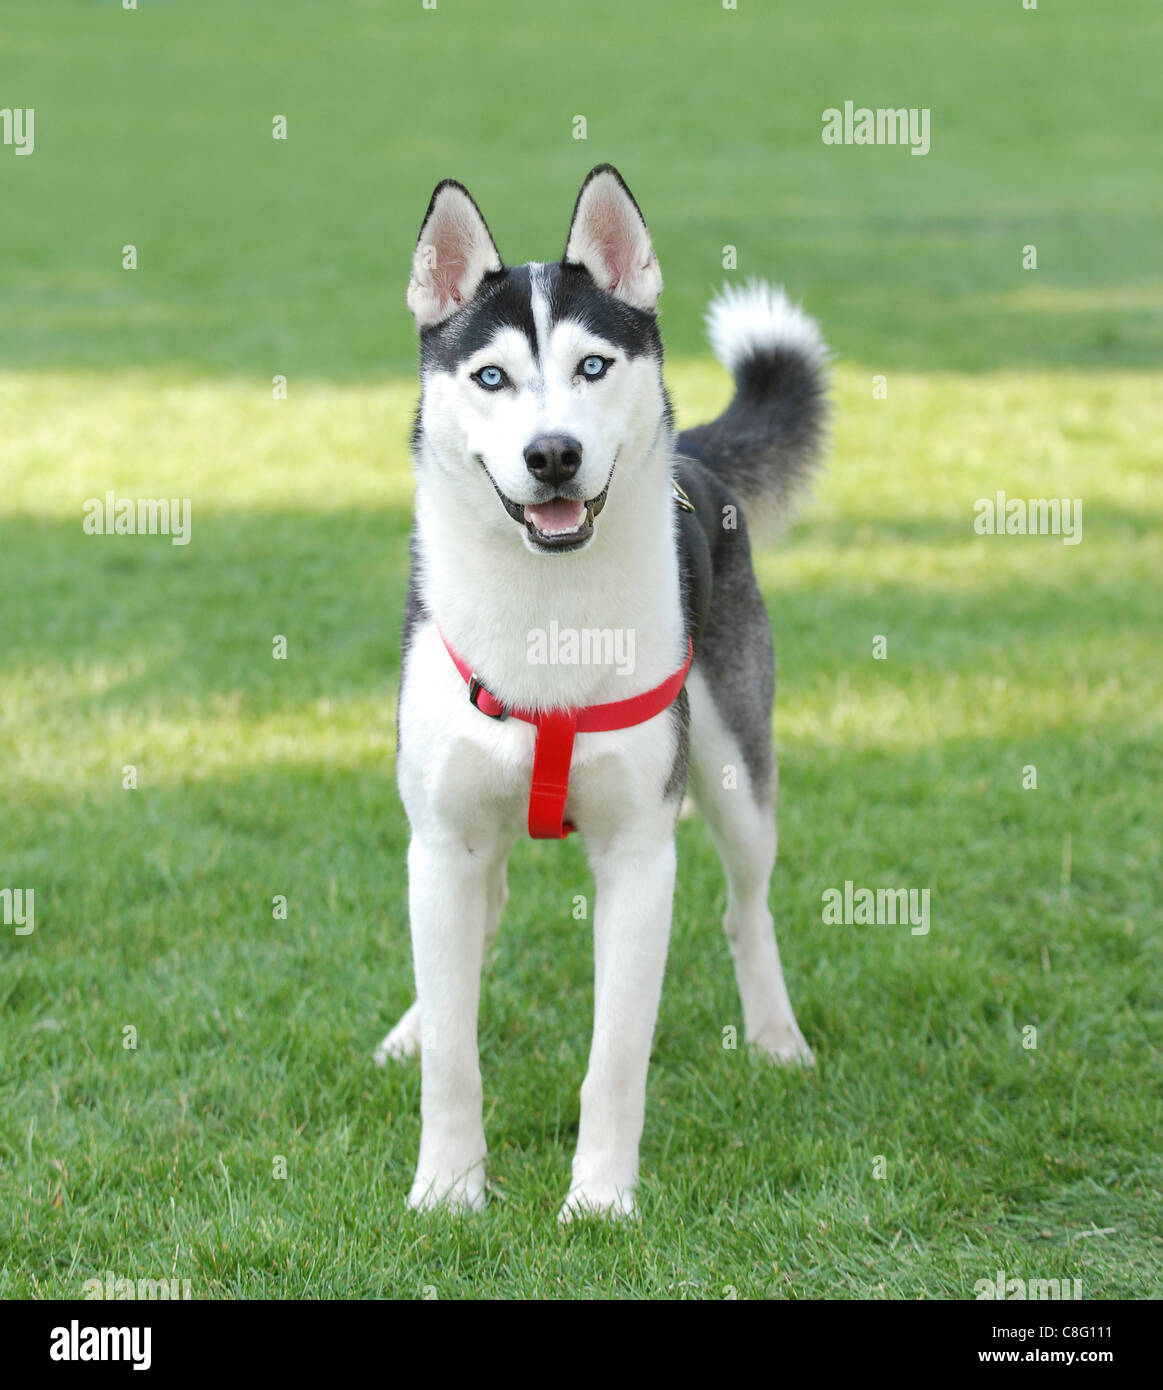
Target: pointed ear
<point>453,254</point>
<point>608,236</point>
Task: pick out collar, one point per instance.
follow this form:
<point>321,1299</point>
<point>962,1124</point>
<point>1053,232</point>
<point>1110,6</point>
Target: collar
<point>556,728</point>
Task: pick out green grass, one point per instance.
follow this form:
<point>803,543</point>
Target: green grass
<point>257,777</point>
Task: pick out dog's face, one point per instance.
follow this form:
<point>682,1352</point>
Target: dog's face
<point>536,379</point>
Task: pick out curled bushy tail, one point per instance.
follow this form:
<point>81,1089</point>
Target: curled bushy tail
<point>768,441</point>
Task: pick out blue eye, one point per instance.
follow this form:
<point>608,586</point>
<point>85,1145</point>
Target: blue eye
<point>491,378</point>
<point>594,367</point>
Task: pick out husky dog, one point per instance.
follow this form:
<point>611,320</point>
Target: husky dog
<point>546,499</point>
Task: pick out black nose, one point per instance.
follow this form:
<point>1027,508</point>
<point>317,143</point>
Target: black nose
<point>553,458</point>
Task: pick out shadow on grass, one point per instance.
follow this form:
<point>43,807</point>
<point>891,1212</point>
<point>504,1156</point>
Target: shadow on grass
<point>168,624</point>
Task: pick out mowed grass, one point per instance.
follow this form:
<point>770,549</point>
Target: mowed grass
<point>154,128</point>
<point>929,1148</point>
<point>259,777</point>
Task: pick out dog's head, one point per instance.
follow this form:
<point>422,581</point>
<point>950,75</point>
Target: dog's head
<point>537,379</point>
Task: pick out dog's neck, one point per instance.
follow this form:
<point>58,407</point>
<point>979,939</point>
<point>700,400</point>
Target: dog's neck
<point>542,630</point>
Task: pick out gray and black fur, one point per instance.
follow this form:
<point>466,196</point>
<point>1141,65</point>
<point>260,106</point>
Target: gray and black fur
<point>749,460</point>
<point>767,443</point>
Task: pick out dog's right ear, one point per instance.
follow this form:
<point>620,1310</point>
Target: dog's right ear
<point>453,255</point>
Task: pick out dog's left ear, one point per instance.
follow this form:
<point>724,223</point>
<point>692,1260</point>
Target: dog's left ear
<point>608,236</point>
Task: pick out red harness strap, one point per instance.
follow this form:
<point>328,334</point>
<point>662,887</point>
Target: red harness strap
<point>556,728</point>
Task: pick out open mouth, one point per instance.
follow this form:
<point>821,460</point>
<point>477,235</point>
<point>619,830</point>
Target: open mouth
<point>559,523</point>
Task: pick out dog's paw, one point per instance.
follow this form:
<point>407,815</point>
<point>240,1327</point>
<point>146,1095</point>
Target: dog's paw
<point>454,1193</point>
<point>784,1045</point>
<point>403,1041</point>
<point>599,1201</point>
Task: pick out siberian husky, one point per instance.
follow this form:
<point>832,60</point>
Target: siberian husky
<point>553,496</point>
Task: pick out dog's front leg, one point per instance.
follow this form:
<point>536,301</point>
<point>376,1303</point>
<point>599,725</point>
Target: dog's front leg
<point>635,898</point>
<point>447,898</point>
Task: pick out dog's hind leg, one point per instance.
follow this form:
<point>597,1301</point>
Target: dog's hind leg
<point>741,820</point>
<point>404,1039</point>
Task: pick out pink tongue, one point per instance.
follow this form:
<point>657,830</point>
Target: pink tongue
<point>560,515</point>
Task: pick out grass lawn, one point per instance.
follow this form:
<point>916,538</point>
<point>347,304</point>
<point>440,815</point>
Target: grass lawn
<point>930,1147</point>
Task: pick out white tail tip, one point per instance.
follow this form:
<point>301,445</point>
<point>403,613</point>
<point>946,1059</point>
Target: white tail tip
<point>757,317</point>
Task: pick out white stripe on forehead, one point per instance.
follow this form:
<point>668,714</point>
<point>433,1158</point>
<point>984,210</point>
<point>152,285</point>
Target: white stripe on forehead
<point>539,307</point>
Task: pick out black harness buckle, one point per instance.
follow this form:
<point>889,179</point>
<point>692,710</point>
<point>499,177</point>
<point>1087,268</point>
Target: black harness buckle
<point>475,686</point>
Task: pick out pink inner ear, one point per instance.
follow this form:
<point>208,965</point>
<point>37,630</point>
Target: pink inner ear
<point>615,246</point>
<point>449,271</point>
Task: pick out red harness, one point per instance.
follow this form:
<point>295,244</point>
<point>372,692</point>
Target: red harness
<point>556,728</point>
